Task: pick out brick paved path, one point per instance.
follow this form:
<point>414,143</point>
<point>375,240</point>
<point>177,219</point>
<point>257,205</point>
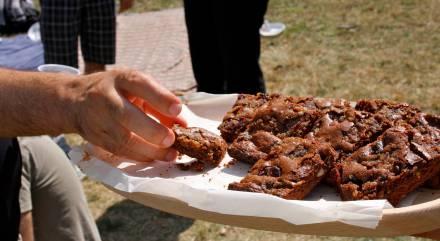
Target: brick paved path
<point>156,43</point>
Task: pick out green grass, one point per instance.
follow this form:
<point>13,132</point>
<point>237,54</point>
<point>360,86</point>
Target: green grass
<point>347,48</point>
<point>356,49</point>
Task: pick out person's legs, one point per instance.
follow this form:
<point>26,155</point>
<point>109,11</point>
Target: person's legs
<point>240,23</point>
<point>98,34</point>
<point>53,193</point>
<point>203,45</point>
<point>60,20</point>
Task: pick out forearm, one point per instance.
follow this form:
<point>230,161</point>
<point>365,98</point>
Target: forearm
<point>109,109</point>
<point>35,103</point>
<point>27,227</point>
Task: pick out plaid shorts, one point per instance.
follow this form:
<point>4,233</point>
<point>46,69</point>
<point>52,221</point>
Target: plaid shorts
<point>64,21</point>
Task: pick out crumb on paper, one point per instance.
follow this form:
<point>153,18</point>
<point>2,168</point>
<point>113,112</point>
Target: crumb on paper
<point>87,156</point>
<point>230,163</point>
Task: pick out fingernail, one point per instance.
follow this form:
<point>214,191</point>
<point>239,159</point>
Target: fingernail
<point>175,109</point>
<point>171,156</point>
<point>169,140</point>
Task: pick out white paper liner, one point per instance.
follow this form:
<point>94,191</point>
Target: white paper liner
<point>208,190</point>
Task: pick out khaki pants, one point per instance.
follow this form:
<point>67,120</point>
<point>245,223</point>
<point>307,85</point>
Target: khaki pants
<point>53,192</point>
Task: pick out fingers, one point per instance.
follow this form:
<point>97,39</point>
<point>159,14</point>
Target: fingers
<point>145,127</point>
<point>145,87</point>
<point>133,147</point>
<point>165,120</point>
<point>129,131</point>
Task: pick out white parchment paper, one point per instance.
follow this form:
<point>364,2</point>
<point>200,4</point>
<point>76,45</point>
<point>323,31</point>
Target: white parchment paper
<point>208,190</point>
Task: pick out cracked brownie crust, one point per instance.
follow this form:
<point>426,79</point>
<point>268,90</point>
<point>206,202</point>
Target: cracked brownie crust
<point>200,144</point>
<point>242,113</point>
<point>375,148</point>
<point>291,170</point>
<point>388,168</point>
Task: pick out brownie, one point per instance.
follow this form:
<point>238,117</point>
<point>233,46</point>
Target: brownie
<point>390,111</point>
<point>200,144</point>
<point>278,118</point>
<point>429,141</point>
<point>347,129</point>
<point>434,182</point>
<point>426,139</point>
<point>285,117</point>
<point>241,114</point>
<point>250,148</point>
<point>291,170</point>
<point>388,168</point>
<point>373,149</point>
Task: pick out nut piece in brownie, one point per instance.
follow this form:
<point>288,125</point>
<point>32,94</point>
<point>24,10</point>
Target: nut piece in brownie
<point>200,144</point>
<point>251,148</point>
<point>388,168</point>
<point>290,171</point>
<point>236,120</point>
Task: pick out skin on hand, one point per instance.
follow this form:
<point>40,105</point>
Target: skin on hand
<point>125,5</point>
<point>110,110</point>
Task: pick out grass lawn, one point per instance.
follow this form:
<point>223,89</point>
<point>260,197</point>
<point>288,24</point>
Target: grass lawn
<point>347,48</point>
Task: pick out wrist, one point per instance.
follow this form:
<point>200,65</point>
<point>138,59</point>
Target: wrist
<point>70,92</point>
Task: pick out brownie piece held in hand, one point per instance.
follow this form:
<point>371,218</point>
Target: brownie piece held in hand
<point>200,144</point>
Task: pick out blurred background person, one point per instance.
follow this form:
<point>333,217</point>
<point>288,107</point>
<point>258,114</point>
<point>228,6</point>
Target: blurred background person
<point>63,22</point>
<point>53,205</point>
<point>224,43</point>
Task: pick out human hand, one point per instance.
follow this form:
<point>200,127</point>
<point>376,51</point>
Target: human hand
<point>125,5</point>
<point>110,110</point>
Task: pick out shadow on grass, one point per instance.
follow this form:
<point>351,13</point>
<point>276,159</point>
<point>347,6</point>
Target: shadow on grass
<point>128,220</point>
